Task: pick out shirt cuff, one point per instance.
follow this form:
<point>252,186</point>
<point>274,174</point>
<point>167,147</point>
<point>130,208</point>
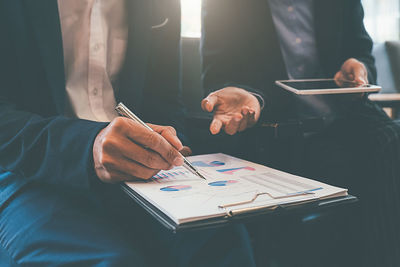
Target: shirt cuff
<point>260,100</point>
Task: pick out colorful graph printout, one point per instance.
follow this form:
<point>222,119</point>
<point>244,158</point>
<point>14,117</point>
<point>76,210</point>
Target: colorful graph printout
<point>223,183</point>
<point>233,170</point>
<point>185,198</point>
<point>211,164</point>
<point>174,188</point>
<point>167,175</point>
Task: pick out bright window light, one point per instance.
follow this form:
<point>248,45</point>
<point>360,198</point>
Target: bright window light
<point>382,19</point>
<point>191,18</point>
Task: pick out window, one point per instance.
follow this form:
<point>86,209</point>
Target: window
<point>191,18</point>
<point>382,19</point>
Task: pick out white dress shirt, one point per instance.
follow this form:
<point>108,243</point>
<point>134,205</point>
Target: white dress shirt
<point>94,34</point>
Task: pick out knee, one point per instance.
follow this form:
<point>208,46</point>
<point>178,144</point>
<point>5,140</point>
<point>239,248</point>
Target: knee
<point>228,246</point>
<point>387,138</point>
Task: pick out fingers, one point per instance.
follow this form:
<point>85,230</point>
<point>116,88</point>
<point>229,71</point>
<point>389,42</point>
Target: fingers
<point>114,176</point>
<point>154,141</point>
<point>246,116</point>
<point>249,118</point>
<point>186,151</point>
<point>360,74</point>
<point>115,170</point>
<point>228,105</point>
<point>209,102</point>
<point>339,79</point>
<point>127,147</point>
<point>137,153</point>
<point>232,126</point>
<point>169,133</point>
<point>134,170</point>
<point>216,126</point>
<point>235,122</point>
<point>352,71</point>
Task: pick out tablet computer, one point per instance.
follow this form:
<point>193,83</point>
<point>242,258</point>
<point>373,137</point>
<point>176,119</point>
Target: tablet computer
<point>325,86</point>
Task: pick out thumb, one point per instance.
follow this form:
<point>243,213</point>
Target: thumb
<point>359,74</point>
<point>209,102</point>
<point>186,151</point>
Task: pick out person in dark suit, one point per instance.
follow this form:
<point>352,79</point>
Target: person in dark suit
<point>344,140</point>
<point>63,67</point>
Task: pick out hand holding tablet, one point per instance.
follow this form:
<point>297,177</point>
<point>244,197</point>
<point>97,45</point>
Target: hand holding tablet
<point>351,78</point>
<point>352,70</point>
<point>325,86</point>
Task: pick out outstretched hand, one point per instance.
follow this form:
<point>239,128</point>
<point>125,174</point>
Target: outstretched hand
<point>234,109</point>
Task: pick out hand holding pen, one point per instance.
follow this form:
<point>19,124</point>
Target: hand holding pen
<point>126,150</point>
<point>124,111</point>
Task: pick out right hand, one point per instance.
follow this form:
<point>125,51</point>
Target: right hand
<point>352,73</point>
<point>126,150</point>
<point>234,109</point>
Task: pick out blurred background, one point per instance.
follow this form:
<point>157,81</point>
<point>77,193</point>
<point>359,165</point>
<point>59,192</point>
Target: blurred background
<point>382,23</point>
<point>381,19</point>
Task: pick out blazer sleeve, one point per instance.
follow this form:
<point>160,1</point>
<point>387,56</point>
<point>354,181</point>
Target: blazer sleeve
<point>56,150</point>
<point>357,42</point>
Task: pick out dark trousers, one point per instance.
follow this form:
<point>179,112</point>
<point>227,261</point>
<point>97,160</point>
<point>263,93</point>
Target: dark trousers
<point>359,150</point>
<point>45,225</point>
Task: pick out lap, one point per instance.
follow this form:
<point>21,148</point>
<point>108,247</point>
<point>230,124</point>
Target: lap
<point>365,143</point>
<point>46,225</point>
<point>361,152</point>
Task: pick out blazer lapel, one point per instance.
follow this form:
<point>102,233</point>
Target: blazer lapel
<point>133,75</point>
<point>278,68</point>
<point>45,22</point>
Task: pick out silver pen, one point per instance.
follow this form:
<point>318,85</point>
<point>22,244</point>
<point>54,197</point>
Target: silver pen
<point>125,112</point>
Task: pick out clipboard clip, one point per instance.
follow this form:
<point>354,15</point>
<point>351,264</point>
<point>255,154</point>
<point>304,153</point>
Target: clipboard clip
<point>304,193</point>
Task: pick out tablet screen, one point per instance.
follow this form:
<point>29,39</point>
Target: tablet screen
<point>321,84</point>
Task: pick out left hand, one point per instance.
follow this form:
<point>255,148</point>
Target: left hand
<point>235,110</point>
<point>353,72</point>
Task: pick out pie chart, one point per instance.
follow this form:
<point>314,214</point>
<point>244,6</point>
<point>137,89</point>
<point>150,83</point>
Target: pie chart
<point>223,183</point>
<point>175,188</point>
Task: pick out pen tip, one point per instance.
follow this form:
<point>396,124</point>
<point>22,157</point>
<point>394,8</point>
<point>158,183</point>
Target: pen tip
<point>201,176</point>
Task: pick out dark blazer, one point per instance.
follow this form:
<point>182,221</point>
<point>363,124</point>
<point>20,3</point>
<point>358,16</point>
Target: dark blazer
<point>37,142</point>
<point>240,46</point>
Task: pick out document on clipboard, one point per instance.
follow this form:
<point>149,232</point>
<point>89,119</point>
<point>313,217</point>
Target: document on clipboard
<point>177,197</point>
